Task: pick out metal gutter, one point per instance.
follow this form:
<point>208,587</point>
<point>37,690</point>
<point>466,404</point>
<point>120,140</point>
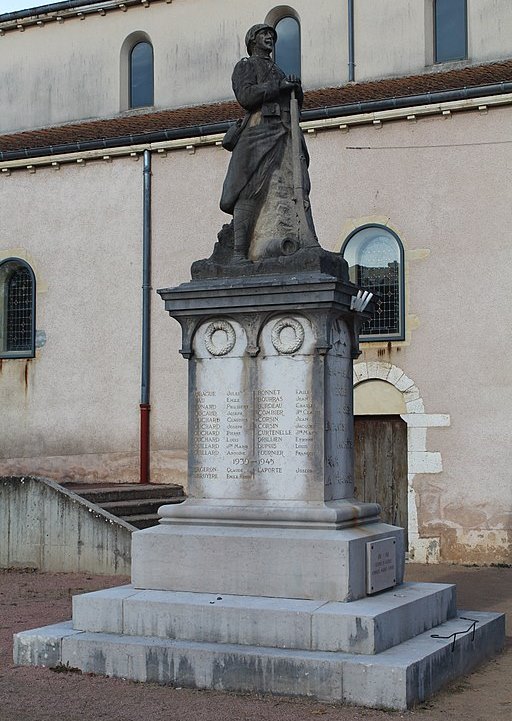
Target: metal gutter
<point>440,96</point>
<point>55,8</point>
<point>44,9</point>
<point>121,140</point>
<point>341,115</point>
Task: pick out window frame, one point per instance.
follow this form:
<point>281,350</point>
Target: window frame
<point>129,42</point>
<point>30,352</point>
<point>390,337</point>
<point>140,41</point>
<point>436,59</point>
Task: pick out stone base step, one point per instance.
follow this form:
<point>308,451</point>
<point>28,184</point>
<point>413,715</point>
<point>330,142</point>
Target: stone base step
<point>368,626</point>
<point>394,679</point>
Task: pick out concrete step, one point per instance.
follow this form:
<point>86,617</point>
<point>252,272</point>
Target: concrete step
<point>136,504</point>
<point>368,626</point>
<point>142,520</point>
<point>396,679</point>
<point>105,493</point>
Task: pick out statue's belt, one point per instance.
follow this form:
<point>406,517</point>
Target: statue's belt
<point>273,109</point>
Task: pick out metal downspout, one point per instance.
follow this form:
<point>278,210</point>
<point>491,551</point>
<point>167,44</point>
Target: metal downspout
<point>351,52</point>
<point>146,322</point>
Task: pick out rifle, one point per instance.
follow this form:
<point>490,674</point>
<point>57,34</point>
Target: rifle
<point>305,236</point>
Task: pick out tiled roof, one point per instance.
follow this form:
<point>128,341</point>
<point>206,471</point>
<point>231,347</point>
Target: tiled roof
<point>472,76</point>
<point>182,118</point>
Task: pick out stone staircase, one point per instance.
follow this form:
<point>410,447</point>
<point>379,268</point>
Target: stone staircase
<point>137,504</point>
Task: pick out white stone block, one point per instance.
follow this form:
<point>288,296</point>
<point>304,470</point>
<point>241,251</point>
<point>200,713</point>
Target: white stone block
<point>372,625</point>
<point>278,562</point>
<point>416,440</point>
<point>425,462</point>
<point>426,420</point>
<point>416,669</point>
<point>360,372</point>
<point>394,375</point>
<point>101,610</point>
<point>412,511</point>
<point>212,618</point>
<point>411,394</point>
<point>404,383</point>
<point>41,646</point>
<point>376,369</point>
<point>416,406</point>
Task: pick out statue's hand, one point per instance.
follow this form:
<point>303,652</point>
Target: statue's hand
<point>291,82</point>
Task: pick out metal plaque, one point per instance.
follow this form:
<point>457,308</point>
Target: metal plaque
<point>380,565</point>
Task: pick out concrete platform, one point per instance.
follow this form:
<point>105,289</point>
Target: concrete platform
<point>368,626</point>
<point>396,678</point>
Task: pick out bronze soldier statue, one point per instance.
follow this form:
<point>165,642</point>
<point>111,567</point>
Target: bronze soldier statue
<point>267,184</point>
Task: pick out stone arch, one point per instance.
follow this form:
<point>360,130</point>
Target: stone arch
<point>419,458</point>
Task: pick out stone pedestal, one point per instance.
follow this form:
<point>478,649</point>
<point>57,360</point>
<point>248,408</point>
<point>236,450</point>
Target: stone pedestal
<point>271,577</point>
<point>270,447</point>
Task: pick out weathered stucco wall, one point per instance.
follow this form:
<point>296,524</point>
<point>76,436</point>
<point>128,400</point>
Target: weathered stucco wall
<point>62,72</point>
<point>73,410</point>
<point>439,183</point>
<point>59,72</point>
<point>44,526</point>
<point>422,180</point>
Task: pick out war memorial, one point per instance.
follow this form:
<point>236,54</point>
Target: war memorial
<point>271,577</point>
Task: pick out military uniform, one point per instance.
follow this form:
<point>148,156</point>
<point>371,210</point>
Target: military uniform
<point>259,151</point>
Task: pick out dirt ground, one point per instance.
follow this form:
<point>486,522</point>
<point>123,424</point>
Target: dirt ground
<point>30,599</point>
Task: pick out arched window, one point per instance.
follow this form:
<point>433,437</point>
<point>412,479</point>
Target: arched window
<point>450,30</point>
<point>375,259</point>
<point>17,309</point>
<point>141,75</point>
<point>287,50</point>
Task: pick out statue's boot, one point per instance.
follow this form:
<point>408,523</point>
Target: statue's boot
<point>243,219</point>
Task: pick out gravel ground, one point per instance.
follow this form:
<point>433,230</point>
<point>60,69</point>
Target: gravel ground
<point>30,599</point>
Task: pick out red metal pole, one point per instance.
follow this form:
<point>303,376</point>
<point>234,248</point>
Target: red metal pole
<point>144,442</point>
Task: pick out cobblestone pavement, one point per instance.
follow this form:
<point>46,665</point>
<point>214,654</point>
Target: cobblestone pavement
<point>30,599</point>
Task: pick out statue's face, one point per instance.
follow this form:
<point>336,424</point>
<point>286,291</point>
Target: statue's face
<point>264,41</point>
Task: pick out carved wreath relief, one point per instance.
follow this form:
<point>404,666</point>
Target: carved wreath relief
<point>287,335</point>
<point>219,338</point>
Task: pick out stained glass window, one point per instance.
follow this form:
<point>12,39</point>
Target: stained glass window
<point>375,258</point>
<point>17,309</point>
